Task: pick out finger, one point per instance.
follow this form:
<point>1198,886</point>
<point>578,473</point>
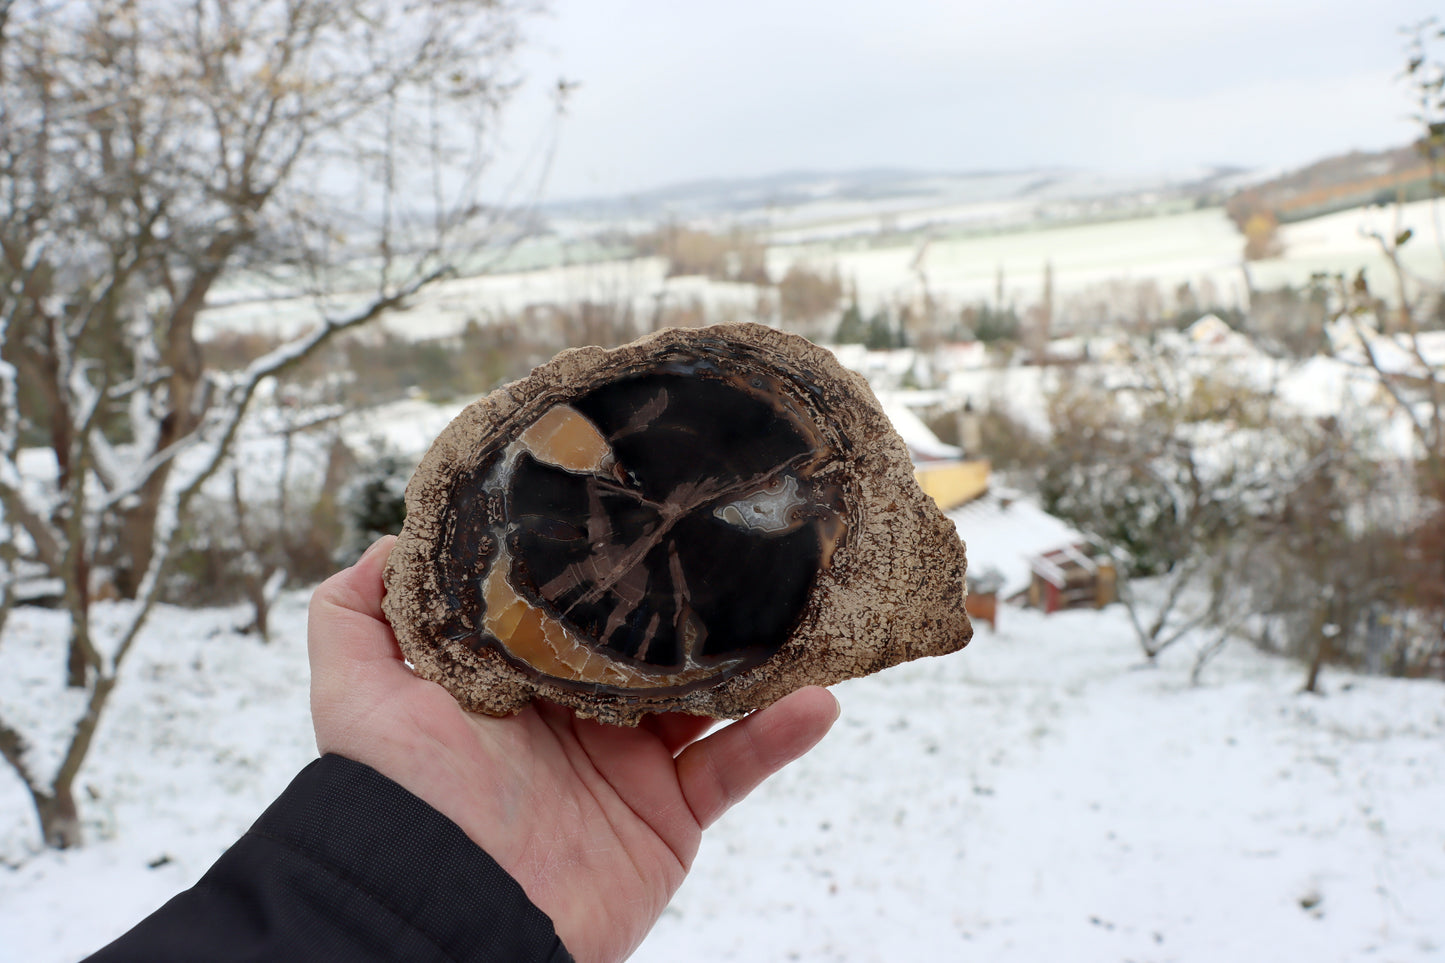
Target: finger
<point>345,621</point>
<point>722,769</point>
<point>677,730</point>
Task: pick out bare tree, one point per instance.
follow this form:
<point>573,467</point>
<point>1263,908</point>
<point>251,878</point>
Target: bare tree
<point>151,153</point>
<point>1170,461</point>
<point>265,539</point>
<point>1387,336</point>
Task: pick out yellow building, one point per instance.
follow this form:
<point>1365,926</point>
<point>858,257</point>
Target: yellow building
<point>953,482</point>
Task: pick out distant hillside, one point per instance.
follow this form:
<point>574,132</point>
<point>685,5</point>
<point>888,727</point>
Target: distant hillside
<point>1335,184</point>
<point>875,188</point>
<point>735,195</point>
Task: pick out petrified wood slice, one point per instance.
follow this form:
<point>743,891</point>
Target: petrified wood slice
<point>701,521</point>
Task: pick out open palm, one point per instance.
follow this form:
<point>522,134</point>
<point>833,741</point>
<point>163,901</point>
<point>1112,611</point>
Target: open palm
<point>599,824</point>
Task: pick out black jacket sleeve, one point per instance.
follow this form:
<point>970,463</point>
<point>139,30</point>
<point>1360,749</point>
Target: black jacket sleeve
<point>348,866</point>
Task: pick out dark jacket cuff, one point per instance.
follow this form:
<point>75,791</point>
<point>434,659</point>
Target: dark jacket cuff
<point>348,865</point>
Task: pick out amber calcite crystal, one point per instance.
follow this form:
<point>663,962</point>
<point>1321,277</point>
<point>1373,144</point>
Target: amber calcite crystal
<point>700,521</point>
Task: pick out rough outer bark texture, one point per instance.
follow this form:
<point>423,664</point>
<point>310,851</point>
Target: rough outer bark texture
<point>894,591</point>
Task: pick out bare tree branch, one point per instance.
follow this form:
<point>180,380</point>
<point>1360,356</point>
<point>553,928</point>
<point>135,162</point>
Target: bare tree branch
<point>148,153</point>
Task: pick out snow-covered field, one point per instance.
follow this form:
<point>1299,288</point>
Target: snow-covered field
<point>1088,264</point>
<point>1038,797</point>
<point>1200,247</point>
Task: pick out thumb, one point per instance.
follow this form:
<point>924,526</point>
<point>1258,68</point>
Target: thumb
<point>345,622</point>
<point>349,643</point>
<point>719,771</point>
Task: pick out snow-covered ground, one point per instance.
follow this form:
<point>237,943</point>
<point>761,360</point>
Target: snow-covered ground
<point>1038,797</point>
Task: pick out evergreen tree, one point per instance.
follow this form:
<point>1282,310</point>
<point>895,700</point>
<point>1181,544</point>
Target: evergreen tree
<point>880,333</point>
<point>996,325</point>
<point>851,328</point>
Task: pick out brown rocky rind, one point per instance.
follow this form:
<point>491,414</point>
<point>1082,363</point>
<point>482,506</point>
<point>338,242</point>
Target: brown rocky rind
<point>891,588</point>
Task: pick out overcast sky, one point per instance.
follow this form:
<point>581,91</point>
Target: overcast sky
<point>675,90</point>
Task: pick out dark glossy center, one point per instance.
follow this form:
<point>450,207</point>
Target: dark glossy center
<point>693,545</point>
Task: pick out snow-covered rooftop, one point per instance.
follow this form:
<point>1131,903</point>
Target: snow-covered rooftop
<point>1394,354</point>
<point>1212,335</point>
<point>1003,530</point>
<point>922,443</point>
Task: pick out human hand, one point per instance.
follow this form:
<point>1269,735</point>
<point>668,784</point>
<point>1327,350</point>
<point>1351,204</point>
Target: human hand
<point>599,824</point>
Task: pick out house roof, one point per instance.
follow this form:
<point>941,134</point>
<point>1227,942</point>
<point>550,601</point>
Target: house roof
<point>1004,531</point>
<point>923,444</point>
<point>1053,566</point>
